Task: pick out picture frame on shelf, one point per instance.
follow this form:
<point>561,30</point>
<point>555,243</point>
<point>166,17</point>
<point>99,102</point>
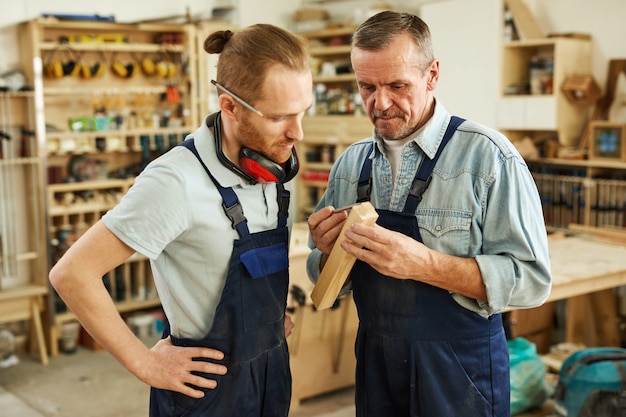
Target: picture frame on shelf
<point>608,141</point>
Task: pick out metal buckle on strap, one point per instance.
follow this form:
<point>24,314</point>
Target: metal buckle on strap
<point>235,213</point>
<point>363,191</point>
<point>418,187</point>
<point>283,201</point>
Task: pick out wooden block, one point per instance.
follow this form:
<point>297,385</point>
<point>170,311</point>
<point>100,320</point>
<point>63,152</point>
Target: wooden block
<point>339,263</point>
<point>581,89</point>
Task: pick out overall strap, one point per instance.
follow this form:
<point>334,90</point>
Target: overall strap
<point>365,178</point>
<point>230,202</point>
<point>421,180</point>
<point>423,177</point>
<point>282,196</point>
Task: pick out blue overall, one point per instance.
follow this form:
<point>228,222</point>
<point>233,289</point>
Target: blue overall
<point>248,325</point>
<point>419,353</point>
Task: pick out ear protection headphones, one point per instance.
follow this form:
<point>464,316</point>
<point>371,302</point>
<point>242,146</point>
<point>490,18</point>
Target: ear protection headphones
<point>97,69</point>
<point>122,70</point>
<point>253,166</point>
<point>57,68</point>
<point>92,71</point>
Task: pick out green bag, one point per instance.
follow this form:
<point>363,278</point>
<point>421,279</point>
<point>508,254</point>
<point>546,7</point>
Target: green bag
<point>529,387</point>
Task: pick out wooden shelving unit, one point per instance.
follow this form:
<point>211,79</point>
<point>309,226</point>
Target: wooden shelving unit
<point>327,133</point>
<point>23,247</point>
<point>99,129</point>
<point>337,118</point>
<point>532,101</point>
<point>326,137</point>
<point>583,192</point>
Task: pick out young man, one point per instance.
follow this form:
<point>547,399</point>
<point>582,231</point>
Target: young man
<point>460,237</point>
<point>212,216</point>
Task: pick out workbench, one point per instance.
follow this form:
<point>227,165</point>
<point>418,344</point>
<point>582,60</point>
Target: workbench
<point>585,272</point>
<point>26,303</point>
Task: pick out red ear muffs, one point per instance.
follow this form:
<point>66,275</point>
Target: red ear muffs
<point>253,166</point>
<point>263,169</point>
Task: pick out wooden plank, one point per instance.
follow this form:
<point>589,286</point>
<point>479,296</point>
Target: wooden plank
<point>616,235</point>
<point>23,291</point>
<point>575,329</point>
<point>581,265</point>
<point>38,330</point>
<point>524,20</point>
<point>15,309</point>
<point>339,263</point>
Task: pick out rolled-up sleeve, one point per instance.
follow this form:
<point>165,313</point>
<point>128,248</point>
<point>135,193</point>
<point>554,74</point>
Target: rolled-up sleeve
<point>514,262</point>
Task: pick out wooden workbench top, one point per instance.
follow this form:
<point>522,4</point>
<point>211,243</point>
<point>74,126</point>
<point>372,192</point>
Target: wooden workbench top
<point>582,264</point>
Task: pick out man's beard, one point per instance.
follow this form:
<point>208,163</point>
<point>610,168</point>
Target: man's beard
<point>249,137</point>
<point>389,131</point>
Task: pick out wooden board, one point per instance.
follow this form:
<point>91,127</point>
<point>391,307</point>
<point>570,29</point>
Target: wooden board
<point>611,234</point>
<point>339,263</point>
<point>524,20</point>
<point>585,271</point>
<point>582,265</point>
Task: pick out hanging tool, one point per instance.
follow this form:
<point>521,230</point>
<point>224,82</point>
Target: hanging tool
<point>26,142</point>
<point>172,93</point>
<point>146,152</point>
<point>6,136</point>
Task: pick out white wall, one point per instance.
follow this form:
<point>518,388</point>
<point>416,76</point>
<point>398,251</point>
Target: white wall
<point>277,12</point>
<point>123,10</point>
<point>603,19</point>
<point>466,40</point>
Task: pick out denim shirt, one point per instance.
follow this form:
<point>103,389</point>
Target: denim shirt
<point>482,202</point>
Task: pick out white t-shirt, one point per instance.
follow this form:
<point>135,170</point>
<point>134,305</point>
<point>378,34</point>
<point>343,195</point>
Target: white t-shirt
<point>173,214</point>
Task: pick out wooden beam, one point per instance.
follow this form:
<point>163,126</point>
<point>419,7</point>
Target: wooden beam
<point>603,307</point>
<point>339,263</point>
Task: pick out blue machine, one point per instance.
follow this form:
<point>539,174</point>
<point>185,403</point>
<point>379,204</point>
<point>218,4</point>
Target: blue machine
<point>592,383</point>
